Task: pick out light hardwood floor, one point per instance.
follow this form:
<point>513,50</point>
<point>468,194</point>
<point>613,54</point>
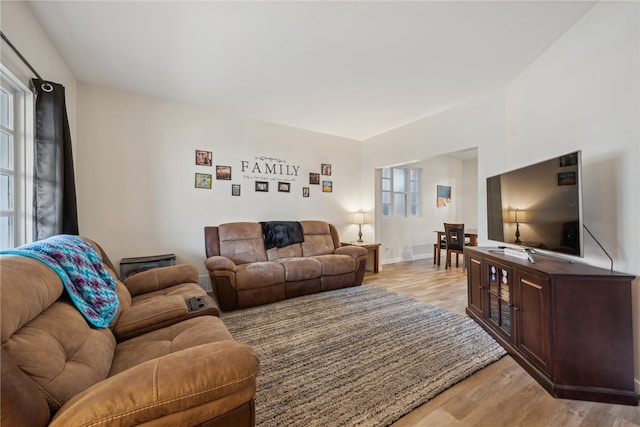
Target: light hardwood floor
<point>502,394</point>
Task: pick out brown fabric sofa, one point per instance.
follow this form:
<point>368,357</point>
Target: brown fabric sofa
<point>58,370</point>
<point>244,274</point>
<point>156,298</point>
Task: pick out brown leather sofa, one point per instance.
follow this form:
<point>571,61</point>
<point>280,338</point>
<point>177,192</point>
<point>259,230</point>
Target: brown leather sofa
<point>185,369</point>
<point>244,274</point>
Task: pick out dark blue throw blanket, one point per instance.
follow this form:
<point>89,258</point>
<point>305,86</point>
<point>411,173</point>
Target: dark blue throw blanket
<point>90,286</point>
<point>278,234</point>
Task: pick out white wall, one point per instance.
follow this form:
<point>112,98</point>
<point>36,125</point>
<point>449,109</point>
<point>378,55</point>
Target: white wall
<point>469,193</point>
<point>136,167</point>
<point>582,93</point>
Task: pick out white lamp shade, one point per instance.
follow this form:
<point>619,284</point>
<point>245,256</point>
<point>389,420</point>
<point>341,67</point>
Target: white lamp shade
<point>517,215</point>
<point>358,218</point>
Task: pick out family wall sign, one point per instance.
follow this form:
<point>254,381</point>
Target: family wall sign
<point>262,170</point>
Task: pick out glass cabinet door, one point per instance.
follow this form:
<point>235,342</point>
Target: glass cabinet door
<point>499,294</point>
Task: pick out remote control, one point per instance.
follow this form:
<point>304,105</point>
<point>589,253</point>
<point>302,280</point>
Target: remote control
<point>195,303</point>
<point>530,256</point>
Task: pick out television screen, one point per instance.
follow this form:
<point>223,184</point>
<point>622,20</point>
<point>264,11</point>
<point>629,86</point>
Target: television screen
<point>538,206</point>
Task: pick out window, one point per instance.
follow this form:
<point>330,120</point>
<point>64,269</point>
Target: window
<point>14,117</point>
<point>414,194</point>
<point>400,192</point>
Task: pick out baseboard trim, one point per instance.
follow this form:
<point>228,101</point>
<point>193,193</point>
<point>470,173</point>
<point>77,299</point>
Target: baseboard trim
<point>397,260</point>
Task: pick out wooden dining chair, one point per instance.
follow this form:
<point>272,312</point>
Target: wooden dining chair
<point>437,248</point>
<point>455,242</point>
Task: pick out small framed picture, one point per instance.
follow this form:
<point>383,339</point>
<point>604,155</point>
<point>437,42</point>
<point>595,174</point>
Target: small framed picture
<point>223,172</point>
<point>203,180</point>
<point>567,178</point>
<point>443,195</point>
<point>203,158</point>
<point>284,187</point>
<point>569,160</point>
<point>327,186</point>
<point>262,186</point>
<point>235,189</point>
<point>305,191</point>
<point>326,169</point>
<point>314,178</point>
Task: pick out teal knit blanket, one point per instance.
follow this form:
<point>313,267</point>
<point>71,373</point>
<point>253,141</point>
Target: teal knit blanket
<point>90,286</point>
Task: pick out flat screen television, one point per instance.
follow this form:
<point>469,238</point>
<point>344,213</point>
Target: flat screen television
<point>538,206</point>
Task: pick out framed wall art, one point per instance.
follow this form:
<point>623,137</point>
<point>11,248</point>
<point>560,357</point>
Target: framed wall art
<point>327,186</point>
<point>325,169</point>
<point>314,178</point>
<point>569,160</point>
<point>203,158</point>
<point>223,172</point>
<point>203,180</point>
<point>284,187</point>
<point>235,189</point>
<point>305,191</point>
<point>567,178</point>
<point>443,195</point>
<point>262,186</point>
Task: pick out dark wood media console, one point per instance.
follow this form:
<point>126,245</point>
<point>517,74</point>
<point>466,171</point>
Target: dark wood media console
<point>568,324</point>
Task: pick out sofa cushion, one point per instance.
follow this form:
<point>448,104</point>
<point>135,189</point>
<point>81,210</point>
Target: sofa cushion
<point>22,402</point>
<point>162,278</point>
<point>336,264</point>
<point>317,238</point>
<point>61,352</point>
<point>259,274</point>
<point>290,251</point>
<point>242,242</point>
<point>180,336</point>
<point>197,386</point>
<point>31,287</point>
<point>183,290</point>
<point>40,323</point>
<point>296,269</point>
<point>79,266</point>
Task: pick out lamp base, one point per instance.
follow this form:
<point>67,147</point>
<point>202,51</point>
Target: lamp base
<point>360,234</point>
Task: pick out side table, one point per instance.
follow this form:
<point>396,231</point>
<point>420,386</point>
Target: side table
<point>373,248</point>
<point>130,266</point>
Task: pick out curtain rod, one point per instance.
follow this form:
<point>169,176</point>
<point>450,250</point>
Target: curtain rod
<point>20,55</point>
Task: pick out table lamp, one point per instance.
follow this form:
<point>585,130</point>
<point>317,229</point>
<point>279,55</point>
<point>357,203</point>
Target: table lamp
<point>517,216</point>
<point>358,218</point>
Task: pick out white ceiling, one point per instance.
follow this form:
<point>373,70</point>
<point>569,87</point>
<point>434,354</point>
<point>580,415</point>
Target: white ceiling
<point>352,69</point>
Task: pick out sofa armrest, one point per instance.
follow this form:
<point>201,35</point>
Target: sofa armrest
<point>161,278</point>
<point>148,313</point>
<point>354,251</point>
<point>214,263</point>
<point>195,384</point>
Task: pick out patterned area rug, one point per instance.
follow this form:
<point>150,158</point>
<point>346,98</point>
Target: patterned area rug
<point>360,356</point>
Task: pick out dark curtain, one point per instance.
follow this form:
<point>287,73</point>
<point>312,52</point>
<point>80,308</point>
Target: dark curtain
<point>54,190</point>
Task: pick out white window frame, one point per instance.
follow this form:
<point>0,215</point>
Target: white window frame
<point>22,147</point>
<point>391,209</point>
